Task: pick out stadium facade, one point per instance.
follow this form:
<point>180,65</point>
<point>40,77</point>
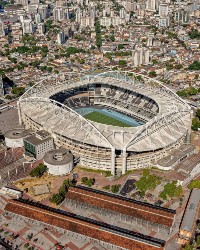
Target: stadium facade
<point>165,118</point>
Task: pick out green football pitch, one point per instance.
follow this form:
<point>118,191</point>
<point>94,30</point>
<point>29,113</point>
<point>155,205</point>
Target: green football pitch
<point>104,119</point>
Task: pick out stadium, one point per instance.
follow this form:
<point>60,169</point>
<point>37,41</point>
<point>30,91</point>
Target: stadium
<point>114,121</point>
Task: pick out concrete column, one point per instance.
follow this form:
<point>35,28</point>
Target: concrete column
<point>113,161</point>
<point>124,155</point>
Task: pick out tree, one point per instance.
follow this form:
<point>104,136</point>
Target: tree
<point>38,171</point>
<point>98,34</point>
<point>115,188</point>
<point>194,34</point>
<point>89,182</point>
<point>171,190</point>
<point>198,240</point>
<point>60,196</point>
<point>18,91</point>
<point>188,247</point>
<point>122,63</point>
<point>198,113</point>
<point>194,184</point>
<point>56,198</point>
<point>147,183</point>
<point>120,46</point>
<point>182,93</point>
<point>112,38</point>
<point>152,74</point>
<point>194,66</point>
<point>195,123</point>
<point>146,172</point>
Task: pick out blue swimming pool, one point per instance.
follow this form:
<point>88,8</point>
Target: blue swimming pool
<point>111,113</point>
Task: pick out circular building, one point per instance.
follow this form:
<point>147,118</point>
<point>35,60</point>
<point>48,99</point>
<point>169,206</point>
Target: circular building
<point>59,161</point>
<point>114,121</point>
<point>14,138</point>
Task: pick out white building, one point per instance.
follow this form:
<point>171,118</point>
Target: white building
<point>163,10</point>
<point>38,144</point>
<point>61,37</point>
<point>43,11</point>
<point>163,22</point>
<point>2,30</point>
<point>21,2</point>
<point>34,1</point>
<point>60,13</point>
<point>38,18</point>
<point>59,161</point>
<point>87,22</point>
<point>27,26</point>
<point>41,28</point>
<point>140,56</point>
<point>151,5</point>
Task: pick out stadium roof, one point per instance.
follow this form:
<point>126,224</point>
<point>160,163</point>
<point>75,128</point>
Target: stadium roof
<point>167,127</point>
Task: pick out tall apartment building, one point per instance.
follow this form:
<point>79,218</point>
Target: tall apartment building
<point>41,28</point>
<point>140,56</point>
<point>181,16</point>
<point>60,13</point>
<point>163,22</point>
<point>61,37</point>
<point>2,30</point>
<point>38,18</point>
<point>43,11</point>
<point>21,2</point>
<point>107,21</point>
<point>163,10</point>
<point>38,144</point>
<point>27,24</point>
<point>87,22</point>
<point>151,5</point>
<point>34,1</point>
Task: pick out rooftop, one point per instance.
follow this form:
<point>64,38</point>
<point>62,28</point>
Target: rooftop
<point>191,211</point>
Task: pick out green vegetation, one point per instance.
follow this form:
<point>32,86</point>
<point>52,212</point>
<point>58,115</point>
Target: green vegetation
<point>194,34</point>
<point>115,188</point>
<point>18,91</point>
<point>196,121</point>
<point>171,190</point>
<point>194,66</point>
<point>60,196</point>
<point>3,3</point>
<point>38,171</point>
<point>120,46</point>
<point>106,173</point>
<point>152,74</point>
<point>88,182</point>
<point>122,63</point>
<point>112,37</point>
<point>188,92</point>
<point>48,25</point>
<point>188,247</point>
<point>107,187</point>
<point>98,34</point>
<point>194,184</point>
<point>147,182</point>
<point>104,119</point>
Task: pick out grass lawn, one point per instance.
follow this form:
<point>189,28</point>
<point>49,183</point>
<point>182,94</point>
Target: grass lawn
<point>104,119</point>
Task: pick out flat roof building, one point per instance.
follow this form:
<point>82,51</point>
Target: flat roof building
<point>187,228</point>
<point>38,144</point>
